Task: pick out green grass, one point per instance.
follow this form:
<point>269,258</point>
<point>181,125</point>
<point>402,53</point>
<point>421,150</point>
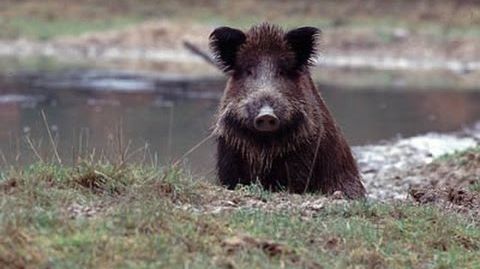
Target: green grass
<point>53,18</point>
<point>36,28</point>
<point>460,157</point>
<point>40,63</point>
<point>98,215</point>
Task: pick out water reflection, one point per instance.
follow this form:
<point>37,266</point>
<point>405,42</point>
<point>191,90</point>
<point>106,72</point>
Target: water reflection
<point>169,124</point>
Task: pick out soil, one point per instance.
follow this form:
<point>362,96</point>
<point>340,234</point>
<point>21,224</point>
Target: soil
<point>391,168</point>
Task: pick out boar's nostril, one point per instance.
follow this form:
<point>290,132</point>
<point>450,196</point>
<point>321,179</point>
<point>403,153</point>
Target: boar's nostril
<point>266,123</point>
<point>266,120</point>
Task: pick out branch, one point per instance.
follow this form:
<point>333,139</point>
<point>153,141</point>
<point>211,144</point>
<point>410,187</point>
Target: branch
<point>199,52</point>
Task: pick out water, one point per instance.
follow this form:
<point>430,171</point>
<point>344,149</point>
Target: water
<point>159,119</point>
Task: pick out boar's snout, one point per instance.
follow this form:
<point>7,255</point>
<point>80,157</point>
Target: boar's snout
<point>266,120</point>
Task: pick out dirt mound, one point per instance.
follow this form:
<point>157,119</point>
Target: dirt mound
<point>391,168</point>
<point>459,197</point>
<point>461,201</point>
<point>460,170</point>
<point>452,182</point>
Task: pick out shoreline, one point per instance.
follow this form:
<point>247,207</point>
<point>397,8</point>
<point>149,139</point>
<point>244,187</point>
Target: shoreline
<point>350,60</point>
<point>386,165</point>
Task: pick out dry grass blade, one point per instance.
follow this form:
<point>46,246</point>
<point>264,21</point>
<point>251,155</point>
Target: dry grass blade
<point>4,158</point>
<point>52,141</point>
<point>170,130</point>
<point>34,150</point>
<point>186,154</point>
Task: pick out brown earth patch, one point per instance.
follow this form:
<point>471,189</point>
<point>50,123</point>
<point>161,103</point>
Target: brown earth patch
<point>459,171</point>
<point>451,183</point>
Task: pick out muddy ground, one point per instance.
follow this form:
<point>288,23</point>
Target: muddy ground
<point>392,167</point>
<point>442,169</point>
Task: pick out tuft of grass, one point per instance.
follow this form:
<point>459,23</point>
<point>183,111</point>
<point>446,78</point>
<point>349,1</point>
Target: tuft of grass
<point>132,216</point>
<point>255,190</point>
<point>460,157</point>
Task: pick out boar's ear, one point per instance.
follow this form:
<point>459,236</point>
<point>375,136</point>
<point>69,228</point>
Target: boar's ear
<point>224,43</point>
<point>303,42</point>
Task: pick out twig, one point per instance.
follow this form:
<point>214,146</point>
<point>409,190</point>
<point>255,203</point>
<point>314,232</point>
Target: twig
<point>199,52</point>
<point>176,162</point>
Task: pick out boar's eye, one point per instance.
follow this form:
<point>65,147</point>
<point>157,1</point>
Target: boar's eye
<point>240,73</point>
<point>286,70</point>
<point>224,43</point>
<point>248,71</point>
<point>303,42</point>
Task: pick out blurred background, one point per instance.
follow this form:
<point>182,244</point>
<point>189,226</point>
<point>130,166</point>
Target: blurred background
<point>118,78</point>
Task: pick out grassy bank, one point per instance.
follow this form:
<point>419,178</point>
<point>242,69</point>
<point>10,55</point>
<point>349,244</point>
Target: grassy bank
<point>53,18</point>
<point>107,216</point>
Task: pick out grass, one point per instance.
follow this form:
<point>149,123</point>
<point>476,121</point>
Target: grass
<point>46,20</point>
<point>101,215</point>
<point>459,157</point>
<point>52,18</point>
<point>35,28</point>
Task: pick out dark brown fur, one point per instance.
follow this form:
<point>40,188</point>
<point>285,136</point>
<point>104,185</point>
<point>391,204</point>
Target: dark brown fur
<point>308,153</point>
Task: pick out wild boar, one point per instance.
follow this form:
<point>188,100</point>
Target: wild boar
<point>272,125</point>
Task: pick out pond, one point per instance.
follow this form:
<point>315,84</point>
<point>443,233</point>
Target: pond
<point>157,119</point>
